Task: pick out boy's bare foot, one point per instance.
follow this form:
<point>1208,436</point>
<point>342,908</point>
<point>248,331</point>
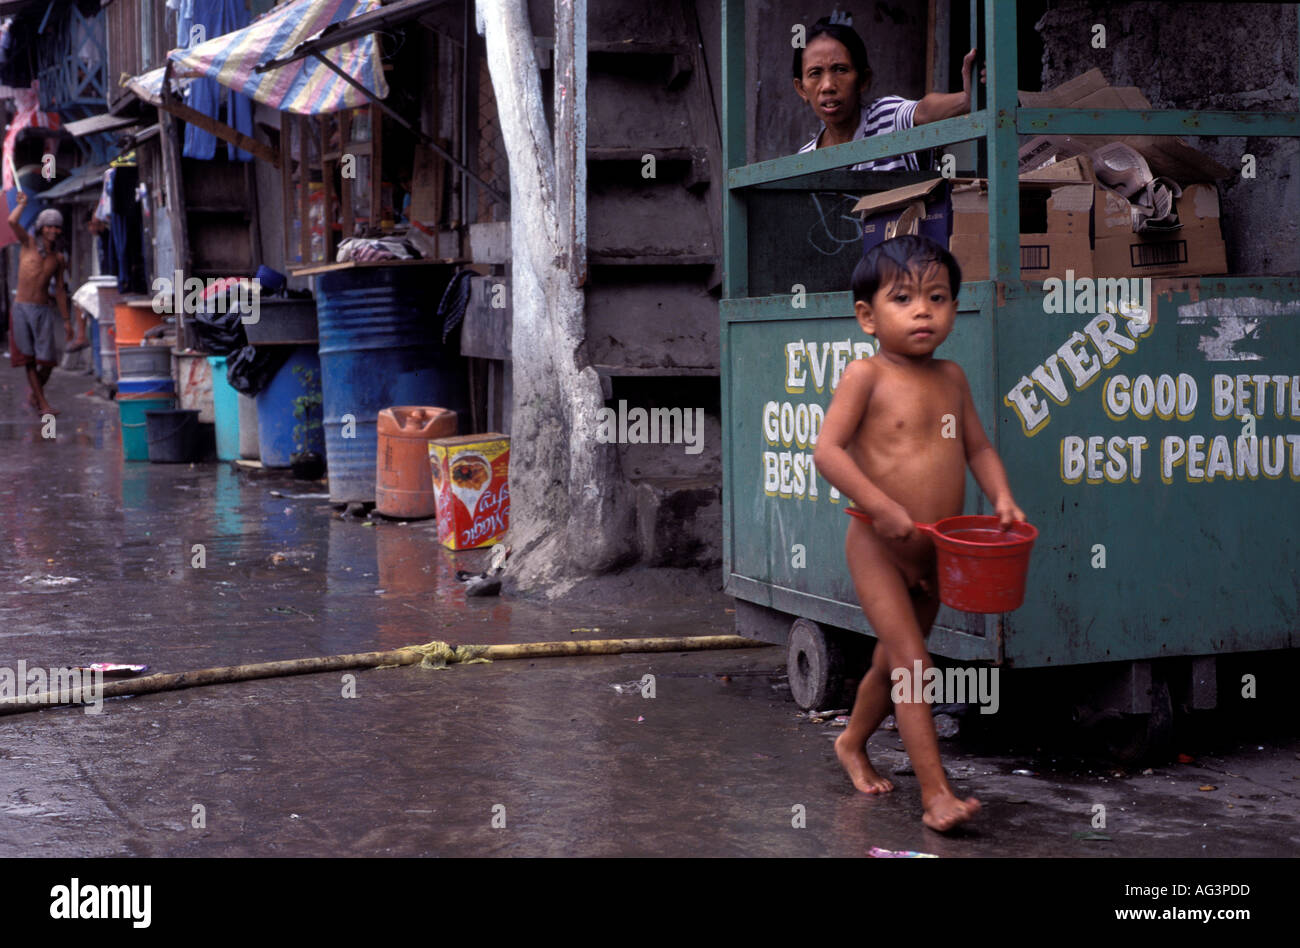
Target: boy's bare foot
<point>943,811</point>
<point>858,765</point>
<point>78,344</point>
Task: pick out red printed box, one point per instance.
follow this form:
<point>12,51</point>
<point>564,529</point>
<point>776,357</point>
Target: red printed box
<point>471,481</point>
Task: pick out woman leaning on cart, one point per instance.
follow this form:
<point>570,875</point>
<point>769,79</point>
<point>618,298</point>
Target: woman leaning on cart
<point>831,74</point>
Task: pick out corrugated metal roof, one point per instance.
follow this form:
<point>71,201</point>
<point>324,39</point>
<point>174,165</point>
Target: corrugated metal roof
<point>82,180</point>
<point>104,122</point>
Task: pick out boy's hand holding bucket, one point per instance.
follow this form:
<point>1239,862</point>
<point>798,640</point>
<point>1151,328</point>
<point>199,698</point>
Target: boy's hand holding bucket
<point>983,560</point>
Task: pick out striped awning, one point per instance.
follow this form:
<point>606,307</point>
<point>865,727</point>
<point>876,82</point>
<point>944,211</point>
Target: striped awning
<point>306,86</point>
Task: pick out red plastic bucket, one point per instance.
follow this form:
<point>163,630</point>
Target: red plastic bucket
<point>982,568</point>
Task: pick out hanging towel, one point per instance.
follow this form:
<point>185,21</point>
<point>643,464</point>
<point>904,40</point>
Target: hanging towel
<point>217,17</point>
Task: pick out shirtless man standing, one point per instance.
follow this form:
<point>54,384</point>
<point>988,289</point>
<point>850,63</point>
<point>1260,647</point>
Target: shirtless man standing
<point>33,316</point>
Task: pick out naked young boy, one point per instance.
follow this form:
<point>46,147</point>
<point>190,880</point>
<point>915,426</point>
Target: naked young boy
<point>889,445</point>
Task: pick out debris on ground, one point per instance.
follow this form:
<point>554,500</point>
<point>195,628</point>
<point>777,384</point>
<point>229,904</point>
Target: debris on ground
<point>291,556</point>
<point>113,669</point>
<point>628,687</point>
<point>488,583</point>
<point>1089,835</point>
<point>1207,787</point>
<point>1186,759</point>
<point>879,853</point>
<point>1023,773</point>
<point>817,717</point>
<point>290,611</point>
<point>946,726</point>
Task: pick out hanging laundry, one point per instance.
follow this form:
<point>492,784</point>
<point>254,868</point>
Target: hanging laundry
<point>127,229</point>
<point>217,18</point>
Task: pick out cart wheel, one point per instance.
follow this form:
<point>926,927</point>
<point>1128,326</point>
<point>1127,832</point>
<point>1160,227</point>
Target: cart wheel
<point>822,668</point>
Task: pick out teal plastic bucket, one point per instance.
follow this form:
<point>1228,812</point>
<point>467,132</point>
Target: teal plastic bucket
<point>132,408</point>
<point>225,401</point>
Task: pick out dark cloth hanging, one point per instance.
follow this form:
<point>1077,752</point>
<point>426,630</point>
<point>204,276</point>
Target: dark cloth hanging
<point>127,228</point>
<point>107,259</point>
<point>217,17</point>
<point>455,299</point>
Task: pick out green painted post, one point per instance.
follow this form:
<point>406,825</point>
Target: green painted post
<point>1004,195</point>
<point>734,238</point>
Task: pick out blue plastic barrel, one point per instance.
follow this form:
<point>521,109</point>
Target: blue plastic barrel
<point>380,345</point>
<point>144,385</point>
<point>281,433</point>
<point>225,406</point>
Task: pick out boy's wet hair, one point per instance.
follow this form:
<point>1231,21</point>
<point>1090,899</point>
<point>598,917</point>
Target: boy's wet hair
<point>846,35</point>
<point>887,262</point>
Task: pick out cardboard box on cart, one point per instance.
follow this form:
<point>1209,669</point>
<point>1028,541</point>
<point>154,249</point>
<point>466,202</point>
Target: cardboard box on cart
<point>1088,228</point>
<point>923,208</point>
<point>954,212</point>
<point>1055,211</point>
<point>1194,249</point>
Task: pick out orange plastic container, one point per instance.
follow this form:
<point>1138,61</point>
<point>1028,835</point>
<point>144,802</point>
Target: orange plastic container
<point>403,477</point>
<point>133,321</point>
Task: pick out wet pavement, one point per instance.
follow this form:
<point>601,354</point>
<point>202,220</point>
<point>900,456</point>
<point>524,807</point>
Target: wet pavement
<point>97,566</point>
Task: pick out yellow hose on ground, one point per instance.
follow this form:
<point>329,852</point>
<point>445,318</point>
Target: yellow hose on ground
<point>430,655</point>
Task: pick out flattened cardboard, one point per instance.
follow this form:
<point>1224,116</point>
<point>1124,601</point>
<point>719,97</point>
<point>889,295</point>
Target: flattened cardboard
<point>1167,156</point>
<point>1042,150</point>
<point>898,198</point>
<point>879,211</point>
<point>1064,170</point>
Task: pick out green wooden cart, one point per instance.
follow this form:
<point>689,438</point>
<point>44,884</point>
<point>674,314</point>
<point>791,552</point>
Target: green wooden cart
<point>1167,539</point>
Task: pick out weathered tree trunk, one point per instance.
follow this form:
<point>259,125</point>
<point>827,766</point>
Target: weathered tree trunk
<point>571,512</point>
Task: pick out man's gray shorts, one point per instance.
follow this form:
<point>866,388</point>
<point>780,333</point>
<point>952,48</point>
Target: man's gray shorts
<point>34,327</point>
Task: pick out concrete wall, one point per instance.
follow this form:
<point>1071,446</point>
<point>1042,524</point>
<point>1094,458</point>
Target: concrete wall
<point>1203,56</point>
<point>781,122</point>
